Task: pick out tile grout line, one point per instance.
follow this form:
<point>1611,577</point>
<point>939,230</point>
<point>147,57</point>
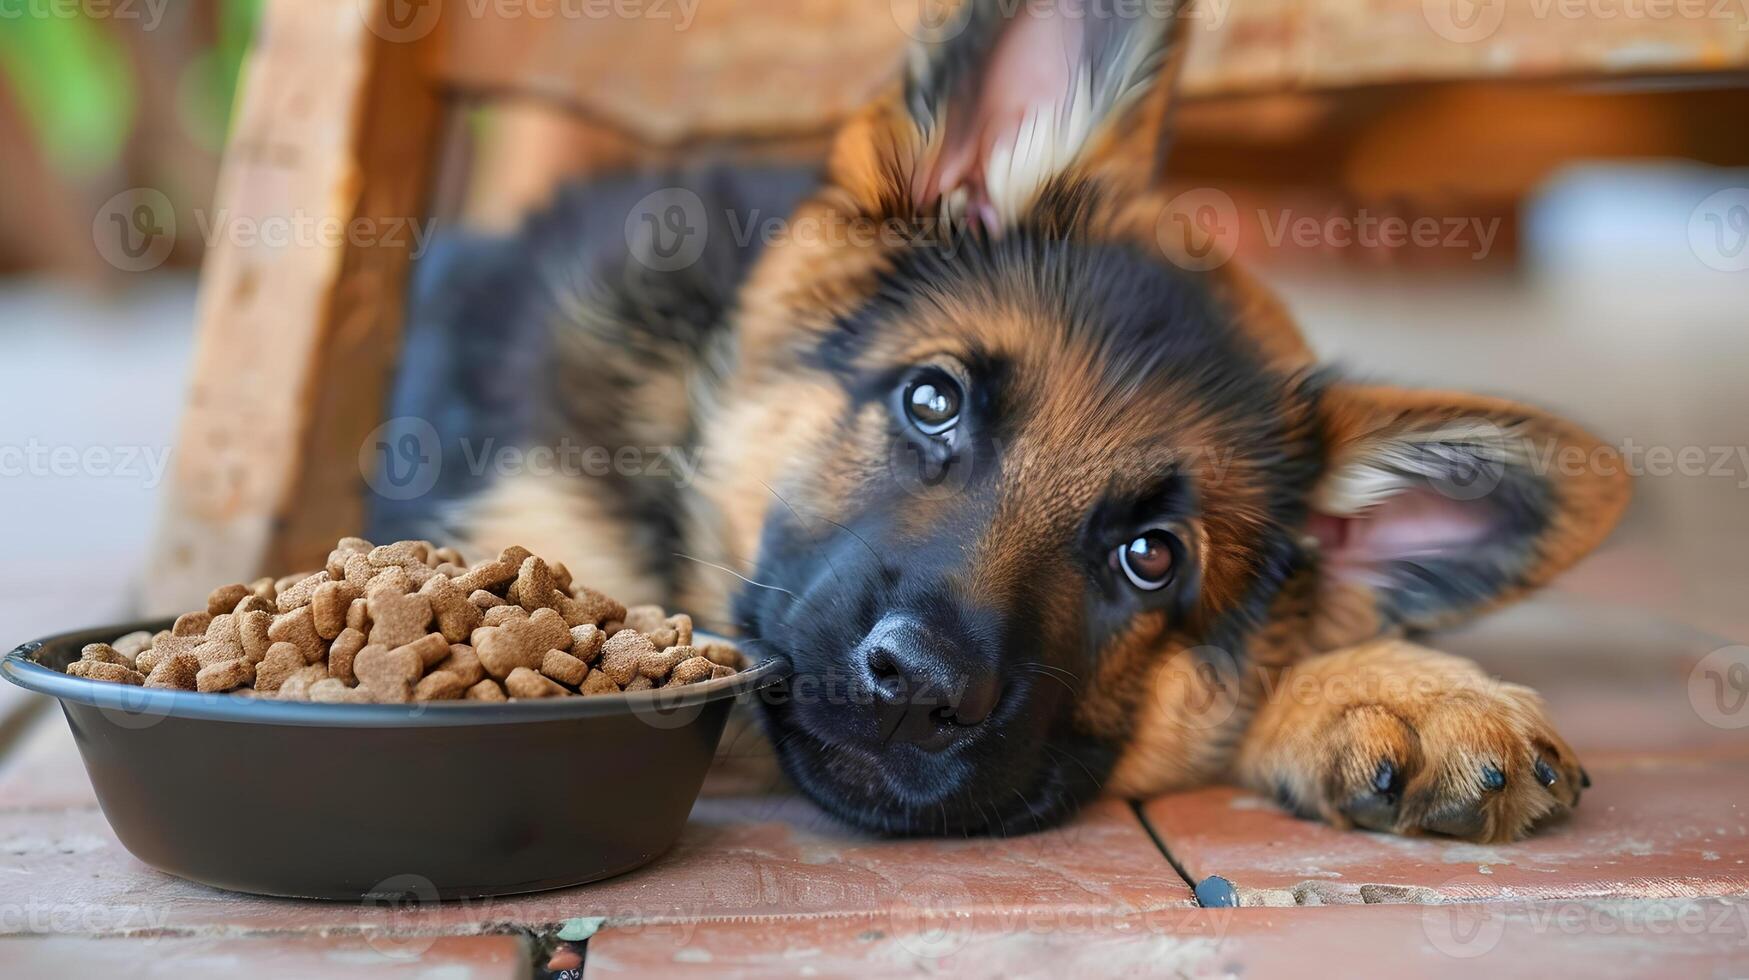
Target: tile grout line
<point>1166,852</point>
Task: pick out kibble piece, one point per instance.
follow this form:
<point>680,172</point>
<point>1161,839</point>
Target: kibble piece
<point>719,671</point>
<point>487,575</point>
<point>447,556</point>
<point>355,544</point>
<point>401,553</point>
<point>639,683</point>
<point>147,659</point>
<point>131,645</point>
<point>265,588</point>
<point>358,616</point>
<point>341,653</point>
<point>486,690</point>
<point>645,619</point>
<point>599,683</point>
<point>521,643</point>
<point>225,629</point>
<point>282,661</point>
<point>252,630</point>
<point>175,671</point>
<point>253,603</point>
<point>533,588</point>
<point>622,653</point>
<point>430,649</point>
<point>397,619</point>
<point>104,670</point>
<point>691,671</point>
<point>563,667</point>
<point>389,675</point>
<point>439,685</point>
<point>561,577</point>
<point>392,579</point>
<point>102,653</point>
<point>298,628</point>
<point>456,616</point>
<point>329,606</point>
<point>281,584</point>
<point>213,652</point>
<point>722,654</point>
<point>525,683</point>
<point>483,600</point>
<point>682,626</point>
<point>590,606</point>
<point>657,665</point>
<point>300,593</point>
<point>499,615</point>
<point>357,570</point>
<point>225,598</point>
<point>166,645</point>
<point>330,690</point>
<point>191,624</point>
<point>224,676</point>
<point>297,686</point>
<point>586,642</point>
<point>464,663</point>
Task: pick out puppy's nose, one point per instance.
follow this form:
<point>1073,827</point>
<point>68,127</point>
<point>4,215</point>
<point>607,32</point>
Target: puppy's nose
<point>930,687</point>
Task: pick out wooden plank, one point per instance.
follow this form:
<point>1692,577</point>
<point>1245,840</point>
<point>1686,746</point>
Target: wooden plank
<point>685,71</point>
<point>1300,45</point>
<point>301,295</point>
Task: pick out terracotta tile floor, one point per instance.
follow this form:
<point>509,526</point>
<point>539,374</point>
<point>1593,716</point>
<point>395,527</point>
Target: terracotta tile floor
<point>1650,876</point>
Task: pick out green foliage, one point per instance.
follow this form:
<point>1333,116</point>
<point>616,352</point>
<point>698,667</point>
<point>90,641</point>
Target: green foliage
<point>72,72</point>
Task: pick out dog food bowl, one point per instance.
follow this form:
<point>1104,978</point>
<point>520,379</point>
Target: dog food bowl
<point>369,802</point>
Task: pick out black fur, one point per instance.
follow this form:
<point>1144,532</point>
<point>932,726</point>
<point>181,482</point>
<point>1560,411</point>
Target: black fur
<point>560,332</point>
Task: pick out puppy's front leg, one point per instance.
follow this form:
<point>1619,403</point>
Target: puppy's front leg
<point>1393,736</point>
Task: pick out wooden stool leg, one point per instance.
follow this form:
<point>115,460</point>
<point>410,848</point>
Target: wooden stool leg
<point>320,207</point>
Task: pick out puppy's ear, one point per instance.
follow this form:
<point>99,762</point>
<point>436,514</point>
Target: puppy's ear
<point>1437,505</point>
<point>1001,99</point>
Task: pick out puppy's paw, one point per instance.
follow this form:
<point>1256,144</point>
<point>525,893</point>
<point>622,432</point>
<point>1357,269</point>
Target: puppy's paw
<point>1483,764</point>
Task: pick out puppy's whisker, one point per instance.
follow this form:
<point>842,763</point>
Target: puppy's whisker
<point>731,571</point>
<point>837,594</point>
<point>1058,755</point>
<point>1064,671</point>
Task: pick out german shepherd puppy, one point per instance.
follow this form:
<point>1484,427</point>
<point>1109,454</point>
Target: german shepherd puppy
<point>1036,509</point>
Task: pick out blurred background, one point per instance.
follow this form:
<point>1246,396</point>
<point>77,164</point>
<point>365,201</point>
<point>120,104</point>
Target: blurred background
<point>1548,201</point>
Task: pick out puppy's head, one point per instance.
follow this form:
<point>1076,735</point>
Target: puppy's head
<point>997,459</point>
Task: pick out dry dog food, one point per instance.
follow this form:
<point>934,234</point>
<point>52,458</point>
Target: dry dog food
<point>412,622</point>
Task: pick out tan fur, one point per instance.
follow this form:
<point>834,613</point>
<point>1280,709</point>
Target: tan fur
<point>1318,695</point>
<point>1322,730</point>
<point>567,526</point>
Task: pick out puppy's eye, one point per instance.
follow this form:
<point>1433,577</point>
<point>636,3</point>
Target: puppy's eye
<point>932,402</point>
<point>1149,560</point>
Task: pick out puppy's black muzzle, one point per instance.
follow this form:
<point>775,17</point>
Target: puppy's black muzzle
<point>928,686</point>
